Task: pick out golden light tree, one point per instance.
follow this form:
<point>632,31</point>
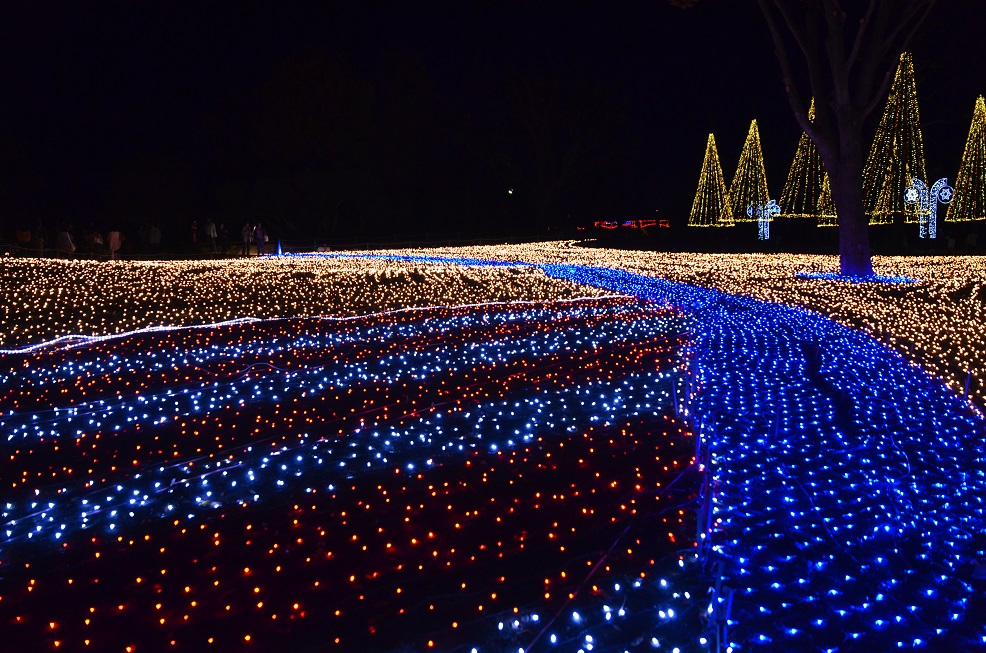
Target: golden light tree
<point>897,153</point>
<point>802,190</point>
<point>970,186</point>
<point>825,208</point>
<point>710,207</point>
<point>749,187</point>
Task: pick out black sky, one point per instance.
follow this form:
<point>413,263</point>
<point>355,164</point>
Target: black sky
<point>362,118</point>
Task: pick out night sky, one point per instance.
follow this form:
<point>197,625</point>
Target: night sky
<point>358,119</point>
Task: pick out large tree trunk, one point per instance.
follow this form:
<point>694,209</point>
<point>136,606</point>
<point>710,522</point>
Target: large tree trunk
<point>846,177</point>
<point>843,54</point>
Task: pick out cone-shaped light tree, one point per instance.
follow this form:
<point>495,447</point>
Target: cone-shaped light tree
<point>825,209</point>
<point>749,187</point>
<point>897,153</point>
<point>849,51</point>
<point>710,207</point>
<point>970,185</point>
<point>801,192</point>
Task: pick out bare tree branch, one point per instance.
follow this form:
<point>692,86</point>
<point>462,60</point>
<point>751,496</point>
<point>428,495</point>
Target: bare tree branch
<point>791,90</point>
<point>835,21</point>
<point>808,40</point>
<point>877,97</point>
<point>874,63</point>
<point>792,27</point>
<point>863,24</point>
<point>902,25</point>
<point>888,47</point>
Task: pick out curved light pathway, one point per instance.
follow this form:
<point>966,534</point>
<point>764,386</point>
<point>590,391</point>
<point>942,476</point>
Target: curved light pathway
<point>845,488</point>
<point>850,486</point>
<point>849,493</point>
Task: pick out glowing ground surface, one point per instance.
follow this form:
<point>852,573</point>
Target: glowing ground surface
<point>848,485</point>
<point>844,490</point>
<point>43,299</point>
<point>441,478</point>
<point>936,322</point>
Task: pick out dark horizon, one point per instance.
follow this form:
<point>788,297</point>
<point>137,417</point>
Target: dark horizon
<point>350,119</point>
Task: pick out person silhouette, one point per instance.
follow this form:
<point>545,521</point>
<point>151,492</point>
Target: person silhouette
<point>261,239</point>
<point>210,233</point>
<point>245,233</point>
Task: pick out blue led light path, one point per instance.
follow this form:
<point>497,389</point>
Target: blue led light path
<point>849,486</point>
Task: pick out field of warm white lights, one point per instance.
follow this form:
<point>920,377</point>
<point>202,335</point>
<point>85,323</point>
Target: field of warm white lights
<point>936,322</point>
<point>48,298</point>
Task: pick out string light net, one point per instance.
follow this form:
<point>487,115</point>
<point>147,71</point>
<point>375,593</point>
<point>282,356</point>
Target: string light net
<point>802,190</point>
<point>897,153</point>
<point>749,185</point>
<point>970,186</point>
<point>711,205</point>
<point>825,209</point>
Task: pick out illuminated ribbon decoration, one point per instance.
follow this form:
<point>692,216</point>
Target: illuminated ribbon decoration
<point>764,214</point>
<point>927,203</point>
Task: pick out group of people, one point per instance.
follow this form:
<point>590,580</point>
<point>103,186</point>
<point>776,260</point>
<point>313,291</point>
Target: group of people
<point>217,237</point>
<point>67,243</point>
<point>253,233</point>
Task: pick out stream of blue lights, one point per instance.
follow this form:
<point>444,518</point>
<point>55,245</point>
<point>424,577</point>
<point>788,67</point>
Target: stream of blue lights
<point>849,486</point>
